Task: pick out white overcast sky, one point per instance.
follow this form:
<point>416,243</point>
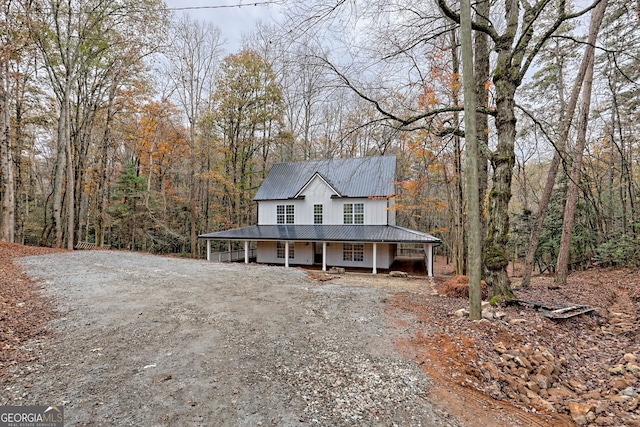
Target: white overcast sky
<point>234,21</point>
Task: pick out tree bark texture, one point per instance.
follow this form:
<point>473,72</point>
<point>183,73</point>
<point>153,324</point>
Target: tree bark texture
<point>505,79</point>
<point>70,189</point>
<point>560,151</point>
<point>58,177</point>
<point>473,202</point>
<point>193,203</point>
<point>562,268</point>
<point>502,160</point>
<point>6,160</point>
<point>458,249</point>
<point>482,74</point>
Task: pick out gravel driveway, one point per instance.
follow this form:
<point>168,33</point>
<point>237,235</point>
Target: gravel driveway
<point>152,341</point>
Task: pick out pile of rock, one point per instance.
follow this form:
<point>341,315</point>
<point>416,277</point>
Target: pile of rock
<point>489,312</point>
<point>528,375</point>
<point>532,376</point>
<point>398,274</point>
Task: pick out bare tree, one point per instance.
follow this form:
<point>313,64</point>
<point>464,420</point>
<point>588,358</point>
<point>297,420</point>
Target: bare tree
<point>194,55</point>
<point>567,114</point>
<point>562,268</point>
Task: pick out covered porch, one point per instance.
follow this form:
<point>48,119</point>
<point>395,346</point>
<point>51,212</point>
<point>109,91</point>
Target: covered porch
<point>360,246</point>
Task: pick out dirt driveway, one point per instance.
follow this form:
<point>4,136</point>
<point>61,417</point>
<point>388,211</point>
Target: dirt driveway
<point>152,341</point>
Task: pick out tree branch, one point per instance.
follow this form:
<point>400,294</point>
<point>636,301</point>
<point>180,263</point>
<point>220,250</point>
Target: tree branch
<point>561,18</point>
<point>549,138</point>
<point>402,121</point>
<point>455,17</point>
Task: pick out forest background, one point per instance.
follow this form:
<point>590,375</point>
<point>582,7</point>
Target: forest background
<point>127,125</point>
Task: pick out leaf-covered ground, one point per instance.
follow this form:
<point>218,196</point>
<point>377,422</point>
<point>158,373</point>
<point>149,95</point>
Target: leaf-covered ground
<point>582,370</point>
<point>24,313</point>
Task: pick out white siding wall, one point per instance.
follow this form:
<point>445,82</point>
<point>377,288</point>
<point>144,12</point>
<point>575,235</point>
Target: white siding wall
<point>391,211</point>
<point>303,253</point>
<point>383,255</point>
<point>317,192</point>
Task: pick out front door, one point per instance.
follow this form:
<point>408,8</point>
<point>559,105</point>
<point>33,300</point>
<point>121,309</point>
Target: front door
<point>317,252</point>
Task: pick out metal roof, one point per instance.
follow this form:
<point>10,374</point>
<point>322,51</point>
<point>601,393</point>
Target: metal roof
<point>325,233</point>
<point>354,177</point>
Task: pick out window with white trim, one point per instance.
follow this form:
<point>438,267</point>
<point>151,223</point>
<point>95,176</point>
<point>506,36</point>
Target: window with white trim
<point>317,214</point>
<point>280,247</point>
<point>285,214</point>
<point>353,252</point>
<point>290,217</point>
<point>353,213</point>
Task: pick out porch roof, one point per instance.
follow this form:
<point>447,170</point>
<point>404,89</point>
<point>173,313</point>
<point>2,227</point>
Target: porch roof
<point>325,233</point>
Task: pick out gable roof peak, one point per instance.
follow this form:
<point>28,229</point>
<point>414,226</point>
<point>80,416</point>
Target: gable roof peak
<point>348,177</point>
<point>323,179</point>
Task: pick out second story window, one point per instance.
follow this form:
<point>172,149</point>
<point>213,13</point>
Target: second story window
<point>285,214</point>
<point>353,213</point>
<point>290,217</point>
<point>280,214</point>
<point>317,214</point>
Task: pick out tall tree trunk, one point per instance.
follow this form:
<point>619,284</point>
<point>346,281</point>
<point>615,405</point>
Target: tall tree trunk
<point>64,157</point>
<point>495,257</point>
<point>482,75</point>
<point>6,159</point>
<point>85,117</point>
<point>502,160</point>
<point>104,166</point>
<point>193,202</point>
<point>627,190</point>
<point>22,170</point>
<point>562,268</point>
<point>608,223</point>
<point>560,151</point>
<point>22,205</point>
<point>473,202</point>
<point>506,80</point>
<point>459,241</point>
<point>59,170</point>
<point>70,190</point>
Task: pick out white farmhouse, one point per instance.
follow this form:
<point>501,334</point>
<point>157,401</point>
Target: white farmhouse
<point>331,213</point>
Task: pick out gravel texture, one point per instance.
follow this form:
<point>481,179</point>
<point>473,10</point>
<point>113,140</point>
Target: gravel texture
<point>144,340</point>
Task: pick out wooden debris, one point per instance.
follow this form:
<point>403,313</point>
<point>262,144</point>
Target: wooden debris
<point>556,311</point>
<point>90,245</point>
<point>567,312</point>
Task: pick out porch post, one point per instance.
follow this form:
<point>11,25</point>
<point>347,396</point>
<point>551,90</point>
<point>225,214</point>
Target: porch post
<point>208,250</point>
<point>324,256</point>
<point>375,258</point>
<point>428,248</point>
<point>286,253</point>
<point>246,252</point>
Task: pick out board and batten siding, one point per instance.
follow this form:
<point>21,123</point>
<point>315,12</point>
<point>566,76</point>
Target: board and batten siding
<point>304,255</point>
<point>317,192</point>
<point>384,256</point>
